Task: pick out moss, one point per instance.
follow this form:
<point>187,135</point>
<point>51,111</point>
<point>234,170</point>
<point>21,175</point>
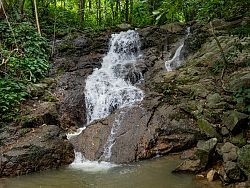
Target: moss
<point>65,47</point>
<point>239,140</point>
<point>208,129</point>
<point>60,71</point>
<point>49,97</point>
<point>244,159</point>
<point>31,121</point>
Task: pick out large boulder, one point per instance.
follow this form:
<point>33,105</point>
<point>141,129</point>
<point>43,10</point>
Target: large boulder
<point>200,159</point>
<point>36,90</point>
<point>238,80</point>
<point>208,128</point>
<point>143,132</point>
<point>41,113</point>
<point>229,152</point>
<point>233,172</point>
<point>40,149</point>
<point>244,159</point>
<point>234,120</point>
<point>176,27</point>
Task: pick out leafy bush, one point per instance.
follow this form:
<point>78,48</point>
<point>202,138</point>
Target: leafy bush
<point>242,96</point>
<point>242,31</point>
<point>24,59</point>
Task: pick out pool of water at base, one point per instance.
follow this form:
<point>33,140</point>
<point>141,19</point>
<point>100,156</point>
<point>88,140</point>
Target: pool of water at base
<point>155,173</point>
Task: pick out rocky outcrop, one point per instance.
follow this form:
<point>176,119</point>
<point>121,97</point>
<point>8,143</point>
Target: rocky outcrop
<point>33,150</point>
<point>200,158</point>
<point>244,159</point>
<point>144,133</point>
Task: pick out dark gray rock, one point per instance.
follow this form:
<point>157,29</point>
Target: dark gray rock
<point>36,90</point>
<point>188,166</point>
<point>233,120</point>
<point>233,172</point>
<point>41,113</point>
<point>229,152</point>
<point>143,133</point>
<point>194,42</point>
<point>200,159</point>
<point>244,159</point>
<point>43,148</point>
<point>208,129</point>
<point>224,131</point>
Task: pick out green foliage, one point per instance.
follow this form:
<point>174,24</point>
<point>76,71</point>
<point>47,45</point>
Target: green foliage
<point>23,55</point>
<point>242,31</point>
<point>242,96</point>
<point>12,92</point>
<point>217,67</point>
<point>61,20</point>
<point>204,11</point>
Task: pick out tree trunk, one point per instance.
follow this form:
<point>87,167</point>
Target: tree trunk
<point>81,11</point>
<point>105,10</point>
<point>112,9</point>
<point>21,7</point>
<point>117,7</point>
<point>33,8</point>
<point>126,10</point>
<point>2,15</point>
<point>97,13</point>
<point>100,12</point>
<point>131,12</point>
<point>90,4</point>
<point>37,19</point>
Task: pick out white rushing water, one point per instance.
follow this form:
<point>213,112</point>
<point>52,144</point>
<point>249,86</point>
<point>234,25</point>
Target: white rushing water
<point>111,139</point>
<point>112,87</point>
<point>176,61</point>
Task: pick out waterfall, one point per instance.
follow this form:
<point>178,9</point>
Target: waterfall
<point>111,139</point>
<point>113,86</point>
<point>176,61</point>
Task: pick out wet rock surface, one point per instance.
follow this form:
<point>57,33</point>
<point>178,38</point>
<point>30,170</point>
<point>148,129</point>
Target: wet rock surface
<point>34,150</point>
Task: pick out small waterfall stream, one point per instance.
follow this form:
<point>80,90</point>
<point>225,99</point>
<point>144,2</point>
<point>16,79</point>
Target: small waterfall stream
<point>176,61</point>
<point>113,86</point>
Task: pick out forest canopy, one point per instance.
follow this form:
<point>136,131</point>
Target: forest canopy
<point>68,14</point>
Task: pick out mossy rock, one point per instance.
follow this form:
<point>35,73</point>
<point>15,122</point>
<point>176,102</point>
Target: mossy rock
<point>48,81</point>
<point>208,129</point>
<point>239,140</point>
<point>244,159</point>
<point>238,80</point>
<point>234,120</point>
<point>45,113</point>
<point>37,90</point>
<point>124,26</point>
<point>49,97</point>
<point>176,27</point>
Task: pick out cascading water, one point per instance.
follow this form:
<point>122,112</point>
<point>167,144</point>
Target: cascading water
<point>110,87</point>
<point>111,139</point>
<point>175,62</point>
<point>113,86</point>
